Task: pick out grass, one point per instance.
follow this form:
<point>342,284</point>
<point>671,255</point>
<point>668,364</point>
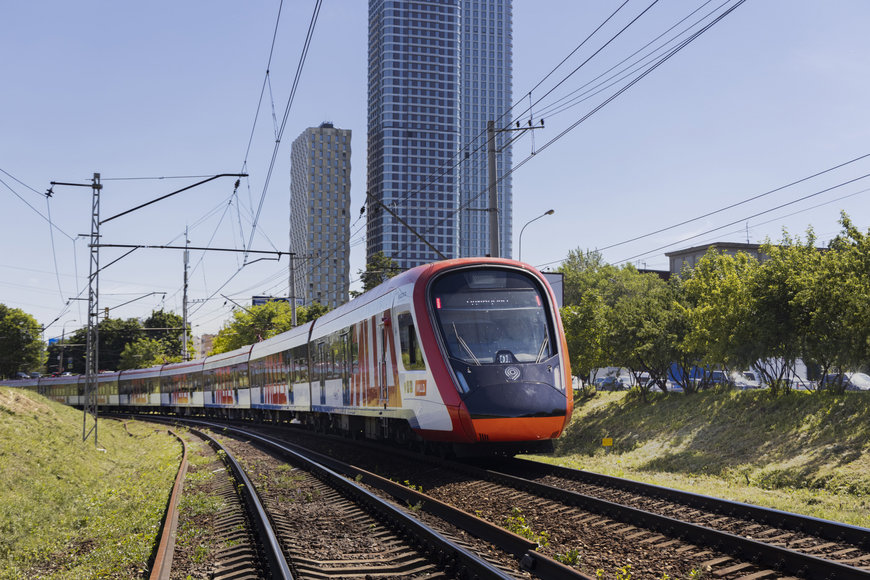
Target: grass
<point>70,510</point>
<point>804,452</point>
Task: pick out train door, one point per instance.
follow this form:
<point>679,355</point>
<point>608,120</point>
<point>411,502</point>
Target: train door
<point>321,369</point>
<point>345,362</point>
<point>381,346</point>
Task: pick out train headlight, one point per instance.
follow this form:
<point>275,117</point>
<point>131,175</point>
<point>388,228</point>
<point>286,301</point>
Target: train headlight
<point>557,379</point>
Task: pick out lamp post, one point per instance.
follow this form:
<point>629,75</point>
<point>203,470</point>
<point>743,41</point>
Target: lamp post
<point>546,213</point>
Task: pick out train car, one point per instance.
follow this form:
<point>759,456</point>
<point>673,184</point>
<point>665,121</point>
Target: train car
<point>60,389</point>
<point>501,342</point>
<point>468,354</point>
<point>140,388</point>
<point>181,386</point>
<point>225,381</point>
<point>278,370</point>
<point>465,356</point>
<point>107,389</point>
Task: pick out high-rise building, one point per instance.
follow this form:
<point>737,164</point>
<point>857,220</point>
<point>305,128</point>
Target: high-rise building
<point>319,220</point>
<point>438,71</point>
<point>485,95</point>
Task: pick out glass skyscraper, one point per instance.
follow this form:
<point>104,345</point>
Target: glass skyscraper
<point>438,71</point>
<point>319,220</point>
<point>485,84</point>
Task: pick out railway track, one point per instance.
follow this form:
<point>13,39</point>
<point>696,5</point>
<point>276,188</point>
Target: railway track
<point>611,524</point>
<point>307,521</point>
<point>832,541</point>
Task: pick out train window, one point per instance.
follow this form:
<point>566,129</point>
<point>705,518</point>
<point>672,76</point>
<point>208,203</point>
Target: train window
<point>412,356</point>
<point>493,317</point>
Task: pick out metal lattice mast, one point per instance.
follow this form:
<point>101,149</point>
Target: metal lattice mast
<point>92,356</point>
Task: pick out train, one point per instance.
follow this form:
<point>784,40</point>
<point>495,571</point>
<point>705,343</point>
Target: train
<point>464,356</point>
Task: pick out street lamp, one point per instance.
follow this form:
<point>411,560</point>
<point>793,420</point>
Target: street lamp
<point>548,212</point>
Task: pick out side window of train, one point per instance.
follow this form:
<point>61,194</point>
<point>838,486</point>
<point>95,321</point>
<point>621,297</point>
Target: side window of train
<point>412,357</point>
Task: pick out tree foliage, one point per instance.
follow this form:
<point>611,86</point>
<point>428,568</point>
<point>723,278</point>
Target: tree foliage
<point>115,334</point>
<point>729,312</point>
<point>145,352</point>
<point>379,269</point>
<point>21,347</point>
<point>258,323</point>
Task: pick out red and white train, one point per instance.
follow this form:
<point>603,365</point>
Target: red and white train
<point>467,354</point>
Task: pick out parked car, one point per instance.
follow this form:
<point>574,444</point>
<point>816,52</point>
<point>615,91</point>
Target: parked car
<point>719,378</point>
<point>851,381</point>
<point>744,380</point>
<point>610,383</point>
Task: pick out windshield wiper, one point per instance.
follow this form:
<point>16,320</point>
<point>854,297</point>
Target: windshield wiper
<point>543,347</point>
<point>465,346</point>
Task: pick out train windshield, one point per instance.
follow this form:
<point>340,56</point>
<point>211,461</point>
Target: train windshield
<point>492,317</point>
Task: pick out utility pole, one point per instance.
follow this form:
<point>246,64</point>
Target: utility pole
<point>185,356</point>
<point>92,353</point>
<point>492,179</point>
<point>292,291</point>
<point>493,190</point>
<point>92,357</point>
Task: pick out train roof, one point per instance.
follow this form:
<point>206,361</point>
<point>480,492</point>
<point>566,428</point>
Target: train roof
<point>239,355</point>
<point>141,373</point>
<point>294,337</point>
<point>194,365</point>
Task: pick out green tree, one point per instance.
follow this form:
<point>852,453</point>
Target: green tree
<point>835,297</point>
<point>143,353</point>
<point>584,312</point>
<point>640,316</point>
<point>717,300</point>
<point>584,272</point>
<point>379,269</point>
<point>585,329</point>
<point>21,347</point>
<point>114,335</point>
<point>310,312</point>
<point>777,323</point>
<point>261,322</point>
<point>167,327</point>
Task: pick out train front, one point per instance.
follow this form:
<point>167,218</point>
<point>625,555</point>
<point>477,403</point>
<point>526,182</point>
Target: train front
<point>502,341</point>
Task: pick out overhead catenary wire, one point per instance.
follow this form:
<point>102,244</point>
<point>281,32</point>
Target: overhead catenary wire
<point>311,26</point>
<point>441,170</point>
<point>741,220</point>
<point>661,60</point>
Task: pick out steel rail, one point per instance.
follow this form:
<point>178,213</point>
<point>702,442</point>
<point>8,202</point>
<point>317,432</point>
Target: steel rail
<point>162,564</point>
<point>750,550</point>
<point>524,549</point>
<point>464,562</point>
<point>272,552</point>
<point>827,529</point>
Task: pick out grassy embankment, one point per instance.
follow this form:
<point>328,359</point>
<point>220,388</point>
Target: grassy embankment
<point>69,510</point>
<point>803,452</point>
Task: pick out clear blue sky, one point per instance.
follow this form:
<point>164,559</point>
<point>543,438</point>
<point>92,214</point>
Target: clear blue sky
<point>775,92</point>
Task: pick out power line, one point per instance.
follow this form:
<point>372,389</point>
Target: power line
<point>751,216</point>
<point>733,205</point>
<point>295,87</point>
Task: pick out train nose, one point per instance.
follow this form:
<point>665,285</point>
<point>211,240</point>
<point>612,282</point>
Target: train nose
<point>515,400</point>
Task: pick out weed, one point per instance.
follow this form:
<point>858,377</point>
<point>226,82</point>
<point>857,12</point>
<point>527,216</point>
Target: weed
<point>414,487</point>
<point>516,523</point>
<point>570,558</point>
